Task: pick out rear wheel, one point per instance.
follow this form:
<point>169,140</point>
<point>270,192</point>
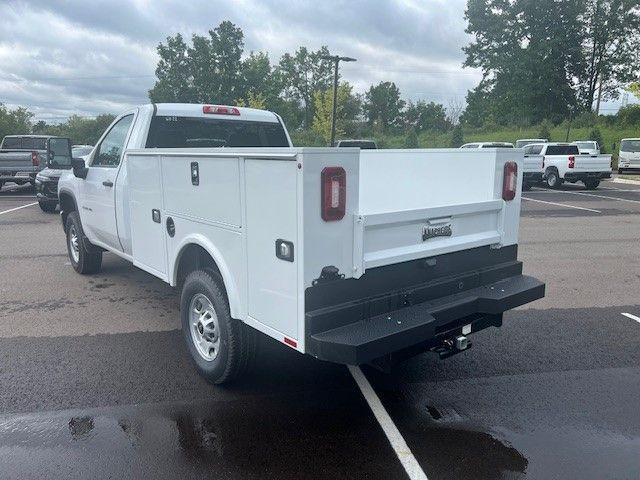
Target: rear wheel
<point>553,179</point>
<point>83,259</point>
<point>221,347</point>
<point>591,184</point>
<point>48,207</point>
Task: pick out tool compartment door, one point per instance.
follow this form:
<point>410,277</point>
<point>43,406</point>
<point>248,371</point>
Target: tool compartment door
<point>271,215</point>
<point>148,236</point>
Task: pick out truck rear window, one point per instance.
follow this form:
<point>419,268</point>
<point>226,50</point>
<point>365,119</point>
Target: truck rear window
<point>562,150</point>
<point>191,132</point>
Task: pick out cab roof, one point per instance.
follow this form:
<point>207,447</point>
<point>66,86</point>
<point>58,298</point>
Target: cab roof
<point>196,110</point>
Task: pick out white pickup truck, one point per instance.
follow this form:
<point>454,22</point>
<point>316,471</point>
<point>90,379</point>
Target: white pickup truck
<point>350,256</point>
<point>562,162</point>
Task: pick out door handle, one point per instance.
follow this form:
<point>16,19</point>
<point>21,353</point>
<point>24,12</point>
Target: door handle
<point>108,183</point>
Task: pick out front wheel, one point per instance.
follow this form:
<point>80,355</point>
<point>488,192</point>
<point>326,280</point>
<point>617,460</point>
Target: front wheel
<point>85,257</point>
<point>48,207</point>
<point>220,347</point>
<point>591,184</point>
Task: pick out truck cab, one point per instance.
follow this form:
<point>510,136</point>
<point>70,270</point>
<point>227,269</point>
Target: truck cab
<point>317,248</point>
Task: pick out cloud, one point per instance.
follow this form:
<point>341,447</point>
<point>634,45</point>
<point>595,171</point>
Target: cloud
<point>76,57</point>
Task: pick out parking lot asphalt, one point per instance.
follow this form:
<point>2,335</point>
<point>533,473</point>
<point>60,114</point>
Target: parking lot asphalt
<point>96,383</point>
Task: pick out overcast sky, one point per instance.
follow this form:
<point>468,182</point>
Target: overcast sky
<point>87,57</point>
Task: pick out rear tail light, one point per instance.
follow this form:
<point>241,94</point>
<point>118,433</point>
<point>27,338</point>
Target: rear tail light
<point>572,161</point>
<point>35,160</point>
<point>334,193</point>
<point>510,181</point>
<point>220,110</point>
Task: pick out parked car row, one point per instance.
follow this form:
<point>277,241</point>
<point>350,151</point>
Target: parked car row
<point>555,163</point>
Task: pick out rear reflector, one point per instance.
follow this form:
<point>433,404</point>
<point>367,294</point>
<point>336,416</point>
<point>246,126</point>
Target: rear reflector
<point>572,161</point>
<point>510,181</point>
<point>291,342</point>
<point>220,110</point>
<point>35,161</point>
<point>334,193</point>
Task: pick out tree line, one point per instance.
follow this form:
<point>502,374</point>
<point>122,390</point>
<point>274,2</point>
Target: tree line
<point>549,59</point>
<point>212,68</point>
<point>544,62</point>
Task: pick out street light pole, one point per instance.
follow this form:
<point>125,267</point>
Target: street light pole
<point>336,59</point>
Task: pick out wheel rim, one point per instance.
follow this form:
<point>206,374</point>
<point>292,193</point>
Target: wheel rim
<point>204,327</point>
<point>74,246</point>
<point>552,179</point>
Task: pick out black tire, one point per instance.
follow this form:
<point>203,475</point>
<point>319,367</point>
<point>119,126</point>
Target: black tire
<point>89,257</point>
<point>48,207</point>
<point>553,179</point>
<point>237,344</point>
<point>591,184</point>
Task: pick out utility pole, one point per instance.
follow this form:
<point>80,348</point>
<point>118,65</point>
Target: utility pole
<point>336,59</point>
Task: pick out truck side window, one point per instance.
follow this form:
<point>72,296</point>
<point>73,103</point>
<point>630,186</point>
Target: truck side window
<point>536,150</point>
<point>109,151</point>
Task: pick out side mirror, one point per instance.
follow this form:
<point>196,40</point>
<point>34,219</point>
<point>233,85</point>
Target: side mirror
<point>80,169</point>
<point>58,152</point>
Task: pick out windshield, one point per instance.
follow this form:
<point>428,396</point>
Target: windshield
<point>562,150</point>
<point>586,145</point>
<point>188,132</point>
<point>630,146</point>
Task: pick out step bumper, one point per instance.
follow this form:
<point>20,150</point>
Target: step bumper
<point>421,324</point>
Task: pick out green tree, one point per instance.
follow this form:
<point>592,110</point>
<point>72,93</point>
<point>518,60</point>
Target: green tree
<point>174,77</point>
<point>411,139</point>
<point>596,136</point>
<point>457,137</point>
<point>304,73</point>
<point>545,130</point>
<point>611,41</point>
<point>346,111</point>
<point>383,106</point>
<point>530,55</point>
<point>423,116</point>
<point>207,71</point>
<point>14,122</point>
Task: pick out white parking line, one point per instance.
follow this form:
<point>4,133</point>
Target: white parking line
<point>546,190</point>
<point>18,208</point>
<point>632,317</point>
<point>562,205</point>
<point>409,462</point>
<point>602,196</point>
